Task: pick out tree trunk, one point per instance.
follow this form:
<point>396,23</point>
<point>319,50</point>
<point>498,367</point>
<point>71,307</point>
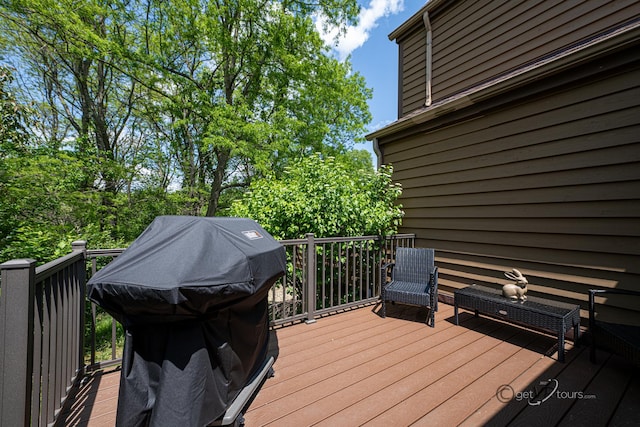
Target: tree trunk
<point>218,179</point>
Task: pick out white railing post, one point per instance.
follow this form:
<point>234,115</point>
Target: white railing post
<point>16,341</point>
<point>311,278</point>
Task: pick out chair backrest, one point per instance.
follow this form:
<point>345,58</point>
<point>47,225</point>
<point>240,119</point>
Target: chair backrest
<point>413,265</point>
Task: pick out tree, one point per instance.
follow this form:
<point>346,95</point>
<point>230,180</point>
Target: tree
<point>13,138</point>
<point>229,89</point>
<point>13,135</point>
<point>245,85</point>
<point>235,87</point>
<point>151,107</point>
<point>82,100</point>
<point>325,196</point>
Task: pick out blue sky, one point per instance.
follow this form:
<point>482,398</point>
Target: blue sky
<point>375,56</point>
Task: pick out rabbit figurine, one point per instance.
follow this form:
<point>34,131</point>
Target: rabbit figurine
<point>518,290</point>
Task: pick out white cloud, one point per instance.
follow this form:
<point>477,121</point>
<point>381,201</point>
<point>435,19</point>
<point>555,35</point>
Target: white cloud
<point>356,36</point>
<point>379,125</point>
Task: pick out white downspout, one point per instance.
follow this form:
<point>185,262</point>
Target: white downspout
<point>427,25</point>
<point>376,149</point>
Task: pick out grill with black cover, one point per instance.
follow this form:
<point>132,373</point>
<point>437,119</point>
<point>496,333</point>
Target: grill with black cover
<point>191,293</point>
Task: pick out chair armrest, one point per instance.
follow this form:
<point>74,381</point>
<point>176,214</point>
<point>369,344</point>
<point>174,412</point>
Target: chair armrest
<point>592,300</point>
<point>383,272</point>
<point>592,321</point>
<point>593,292</point>
<point>387,265</point>
<point>614,291</point>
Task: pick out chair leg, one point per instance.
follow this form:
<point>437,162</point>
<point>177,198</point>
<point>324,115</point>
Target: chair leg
<point>384,309</point>
<point>433,309</point>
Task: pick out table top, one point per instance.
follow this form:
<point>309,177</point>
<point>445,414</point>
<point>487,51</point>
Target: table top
<point>540,305</point>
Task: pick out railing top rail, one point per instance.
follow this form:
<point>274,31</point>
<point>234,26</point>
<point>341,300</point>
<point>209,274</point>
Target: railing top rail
<point>49,269</point>
<point>104,252</point>
<point>346,239</point>
<point>96,253</point>
<point>91,253</point>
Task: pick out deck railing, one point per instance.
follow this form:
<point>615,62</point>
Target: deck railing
<point>41,336</point>
<point>327,274</point>
<point>43,312</point>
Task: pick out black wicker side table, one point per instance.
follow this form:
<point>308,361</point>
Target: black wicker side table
<point>540,313</point>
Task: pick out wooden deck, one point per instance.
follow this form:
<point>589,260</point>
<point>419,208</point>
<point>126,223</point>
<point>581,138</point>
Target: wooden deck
<point>355,368</point>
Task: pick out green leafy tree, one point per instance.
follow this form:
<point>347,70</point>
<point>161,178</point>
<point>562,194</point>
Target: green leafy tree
<point>332,196</point>
<point>13,138</point>
<point>81,98</point>
<point>44,206</point>
<point>225,89</point>
<point>13,135</point>
<point>243,86</point>
<point>151,107</point>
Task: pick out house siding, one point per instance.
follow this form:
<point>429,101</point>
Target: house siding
<point>476,41</point>
<point>413,69</point>
<point>545,179</point>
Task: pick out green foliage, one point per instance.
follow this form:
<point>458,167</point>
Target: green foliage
<point>139,109</point>
<point>37,242</point>
<point>44,207</point>
<point>13,134</point>
<point>325,196</point>
<point>223,89</point>
<point>103,331</point>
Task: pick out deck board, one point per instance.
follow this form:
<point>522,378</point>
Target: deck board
<point>356,368</point>
<point>608,387</point>
<point>626,413</point>
<point>396,381</point>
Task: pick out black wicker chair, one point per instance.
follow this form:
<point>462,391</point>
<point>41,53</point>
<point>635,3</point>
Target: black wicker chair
<point>414,280</point>
<point>621,339</point>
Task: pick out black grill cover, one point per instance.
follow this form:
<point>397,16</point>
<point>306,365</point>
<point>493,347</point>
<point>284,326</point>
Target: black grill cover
<point>191,293</point>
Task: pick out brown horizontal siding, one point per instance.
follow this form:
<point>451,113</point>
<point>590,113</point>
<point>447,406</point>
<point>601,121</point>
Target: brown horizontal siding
<point>462,51</point>
<point>534,236</point>
<point>414,43</point>
<point>416,83</point>
<point>607,183</point>
<point>415,99</point>
<point>548,183</point>
<point>486,167</point>
<point>448,21</point>
<point>476,41</point>
<point>479,40</point>
<point>434,208</point>
<point>547,115</point>
<point>413,71</point>
<point>553,226</point>
<point>463,18</point>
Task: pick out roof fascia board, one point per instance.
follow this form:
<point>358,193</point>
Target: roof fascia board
<point>415,18</point>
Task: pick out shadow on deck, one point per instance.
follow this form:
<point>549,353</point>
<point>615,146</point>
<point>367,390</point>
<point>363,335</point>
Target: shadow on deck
<point>356,368</point>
